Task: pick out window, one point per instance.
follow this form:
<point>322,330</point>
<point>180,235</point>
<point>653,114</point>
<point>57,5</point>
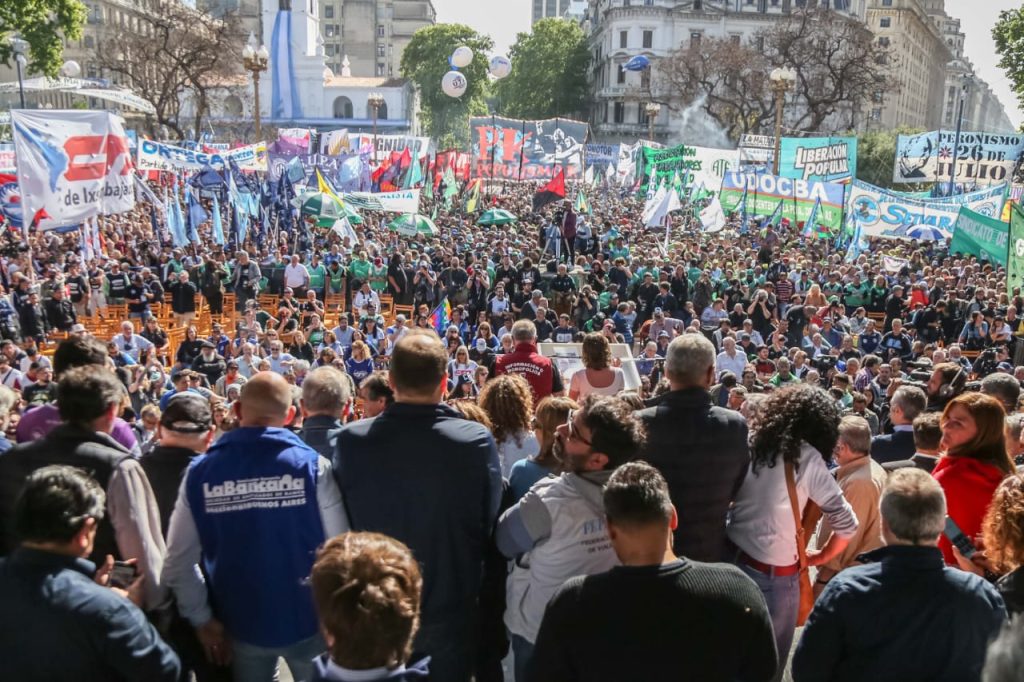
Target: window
<point>620,74</point>
<point>619,114</point>
<point>623,38</point>
<point>381,51</point>
<point>645,79</point>
<point>886,3</point>
<point>329,50</point>
<point>759,43</point>
<point>625,3</point>
<point>648,39</point>
<point>876,114</point>
<point>885,22</point>
<point>382,111</point>
<point>695,40</point>
<point>342,107</point>
<point>604,113</point>
<point>883,42</point>
<point>698,4</point>
<point>328,31</point>
<point>88,42</point>
<point>328,11</point>
<point>380,30</point>
<point>735,39</point>
<point>380,69</point>
<point>233,106</point>
<point>649,3</point>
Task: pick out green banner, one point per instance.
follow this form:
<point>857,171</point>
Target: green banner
<point>1015,265</point>
<point>980,236</point>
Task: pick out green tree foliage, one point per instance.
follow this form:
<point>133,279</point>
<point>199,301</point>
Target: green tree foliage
<point>1008,35</point>
<point>876,157</point>
<point>45,25</point>
<point>549,72</point>
<point>425,61</point>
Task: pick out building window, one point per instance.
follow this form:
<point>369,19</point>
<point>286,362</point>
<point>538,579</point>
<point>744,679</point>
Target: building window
<point>604,113</point>
<point>735,39</point>
<point>88,42</point>
<point>380,69</point>
<point>759,43</point>
<point>328,11</point>
<point>648,39</point>
<point>876,114</point>
<point>885,22</point>
<point>625,3</point>
<point>649,3</point>
<point>619,115</point>
<point>645,79</point>
<point>381,51</point>
<point>883,42</point>
<point>698,4</point>
<point>382,111</point>
<point>380,30</point>
<point>233,106</point>
<point>695,40</point>
<point>623,39</point>
<point>886,3</point>
<point>620,74</point>
<point>342,107</point>
<point>328,31</point>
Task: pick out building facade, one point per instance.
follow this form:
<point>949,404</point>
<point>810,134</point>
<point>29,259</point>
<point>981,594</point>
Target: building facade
<point>549,8</point>
<point>371,33</point>
<point>622,29</point>
<point>918,55</point>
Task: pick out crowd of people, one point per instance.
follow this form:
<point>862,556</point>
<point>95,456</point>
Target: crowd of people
<point>758,432</point>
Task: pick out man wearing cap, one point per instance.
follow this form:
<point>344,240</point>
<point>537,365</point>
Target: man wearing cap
<point>252,512</point>
<point>209,363</point>
<point>663,323</point>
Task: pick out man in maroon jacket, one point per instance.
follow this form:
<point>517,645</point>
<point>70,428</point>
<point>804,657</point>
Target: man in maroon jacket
<point>539,371</point>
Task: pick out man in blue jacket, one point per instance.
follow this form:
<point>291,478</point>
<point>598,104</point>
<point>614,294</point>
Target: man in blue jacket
<point>253,510</point>
<point>906,615</point>
<point>421,473</point>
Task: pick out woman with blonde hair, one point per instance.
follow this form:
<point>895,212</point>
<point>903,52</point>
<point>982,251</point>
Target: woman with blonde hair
<point>597,375</point>
<point>360,363</point>
<point>508,401</point>
<point>974,461</point>
<point>552,412</point>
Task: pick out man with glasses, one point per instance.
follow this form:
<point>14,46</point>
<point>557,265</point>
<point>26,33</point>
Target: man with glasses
<point>557,531</point>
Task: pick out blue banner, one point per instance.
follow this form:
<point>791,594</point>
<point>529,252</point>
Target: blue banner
<point>825,159</point>
<point>982,158</point>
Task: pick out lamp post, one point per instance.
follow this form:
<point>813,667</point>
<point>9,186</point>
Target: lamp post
<point>782,79</point>
<point>375,101</point>
<point>652,109</point>
<point>255,60</point>
<point>19,47</point>
<point>964,88</point>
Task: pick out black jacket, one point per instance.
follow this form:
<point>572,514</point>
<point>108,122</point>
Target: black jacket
<point>60,314</point>
<point>893,447</point>
<point>702,452</point>
<point>319,432</point>
<point>183,297</point>
<point>905,616</point>
<point>165,467</point>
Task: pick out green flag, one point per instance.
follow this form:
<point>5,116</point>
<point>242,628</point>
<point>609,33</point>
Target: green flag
<point>980,236</point>
<point>1015,262</point>
<point>451,187</point>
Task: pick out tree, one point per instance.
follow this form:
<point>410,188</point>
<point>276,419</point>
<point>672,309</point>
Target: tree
<point>179,52</point>
<point>425,61</point>
<point>1008,35</point>
<point>839,67</point>
<point>876,156</point>
<point>549,72</point>
<point>45,25</point>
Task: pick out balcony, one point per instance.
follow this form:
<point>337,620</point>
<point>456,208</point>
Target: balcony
<point>631,92</point>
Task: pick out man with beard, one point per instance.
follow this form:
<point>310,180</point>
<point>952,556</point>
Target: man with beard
<point>559,524</point>
<point>942,375</point>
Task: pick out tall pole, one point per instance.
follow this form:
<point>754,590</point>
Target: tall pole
<point>21,85</point>
<point>256,98</point>
<point>779,95</point>
<point>19,47</point>
<point>956,140</point>
<point>375,131</point>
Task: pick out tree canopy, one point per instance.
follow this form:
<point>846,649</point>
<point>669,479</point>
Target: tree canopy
<point>425,61</point>
<point>549,72</point>
<point>1008,34</point>
<point>45,25</point>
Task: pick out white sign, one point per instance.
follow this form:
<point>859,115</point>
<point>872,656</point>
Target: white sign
<point>165,157</point>
<point>72,165</point>
<point>402,201</point>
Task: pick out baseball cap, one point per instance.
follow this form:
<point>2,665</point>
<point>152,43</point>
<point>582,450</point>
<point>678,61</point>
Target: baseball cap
<point>663,334</point>
<point>658,311</point>
<point>1004,367</point>
<point>78,329</point>
<point>187,413</point>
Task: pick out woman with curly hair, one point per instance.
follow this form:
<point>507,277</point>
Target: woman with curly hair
<point>974,462</point>
<point>794,432</point>
<point>1002,544</point>
<point>509,403</point>
<point>552,412</point>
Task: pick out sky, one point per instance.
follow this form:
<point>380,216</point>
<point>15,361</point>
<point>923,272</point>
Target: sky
<point>503,19</point>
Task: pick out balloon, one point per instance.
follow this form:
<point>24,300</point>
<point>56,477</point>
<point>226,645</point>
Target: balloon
<point>637,63</point>
<point>462,57</point>
<point>454,84</point>
<point>500,66</point>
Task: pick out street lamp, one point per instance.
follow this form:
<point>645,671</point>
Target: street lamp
<point>652,109</point>
<point>782,79</point>
<point>375,101</point>
<point>19,47</point>
<point>255,60</point>
<point>964,88</point>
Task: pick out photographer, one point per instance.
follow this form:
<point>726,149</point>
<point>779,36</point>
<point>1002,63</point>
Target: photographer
<point>990,359</point>
<point>563,287</point>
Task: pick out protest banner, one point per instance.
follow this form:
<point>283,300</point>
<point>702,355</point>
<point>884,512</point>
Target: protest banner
<point>980,236</point>
<point>689,161</point>
<point>1015,261</point>
<point>884,213</point>
<point>510,149</point>
<point>758,150</point>
<point>982,159</point>
<point>401,201</point>
<point>389,143</point>
<point>764,192</point>
<point>72,165</point>
<point>458,161</point>
<point>827,159</point>
<point>347,172</point>
<point>166,157</point>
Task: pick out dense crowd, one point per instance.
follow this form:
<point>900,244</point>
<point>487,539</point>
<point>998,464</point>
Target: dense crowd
<point>351,453</point>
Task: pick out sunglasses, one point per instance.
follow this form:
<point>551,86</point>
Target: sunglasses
<point>574,433</point>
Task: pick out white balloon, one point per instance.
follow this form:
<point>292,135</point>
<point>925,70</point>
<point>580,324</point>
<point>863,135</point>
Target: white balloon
<point>454,84</point>
<point>462,57</point>
<point>500,66</point>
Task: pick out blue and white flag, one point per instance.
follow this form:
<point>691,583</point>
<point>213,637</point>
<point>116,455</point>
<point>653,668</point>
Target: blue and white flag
<point>218,227</point>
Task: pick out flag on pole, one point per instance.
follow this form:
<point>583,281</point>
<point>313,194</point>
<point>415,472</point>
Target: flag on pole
<point>175,220</point>
<point>609,174</point>
<point>474,195</point>
<point>441,316</point>
<point>325,187</point>
<point>588,176</point>
<point>659,213</point>
<point>1015,260</point>
<point>218,226</point>
<point>776,215</point>
<point>415,175</point>
<point>554,190</point>
<point>712,218</point>
<point>451,187</point>
<point>652,182</point>
<point>811,227</point>
<point>582,205</point>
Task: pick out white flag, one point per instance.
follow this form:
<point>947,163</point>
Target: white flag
<point>588,176</point>
<point>669,202</point>
<point>654,200</point>
<point>713,217</point>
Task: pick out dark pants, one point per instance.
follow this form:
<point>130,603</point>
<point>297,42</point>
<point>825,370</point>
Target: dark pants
<point>569,249</point>
<point>452,650</point>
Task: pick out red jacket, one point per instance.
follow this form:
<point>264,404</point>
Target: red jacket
<point>969,485</point>
<point>538,370</point>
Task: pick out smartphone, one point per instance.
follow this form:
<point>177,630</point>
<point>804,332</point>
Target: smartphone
<point>959,540</point>
<point>123,575</point>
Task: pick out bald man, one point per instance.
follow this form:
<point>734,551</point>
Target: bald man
<point>252,512</point>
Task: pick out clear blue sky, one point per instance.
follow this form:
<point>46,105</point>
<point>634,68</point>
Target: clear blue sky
<point>502,19</point>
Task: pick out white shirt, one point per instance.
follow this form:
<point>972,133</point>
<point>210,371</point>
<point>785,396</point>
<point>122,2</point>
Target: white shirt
<point>133,346</point>
<point>362,300</point>
<point>26,362</point>
<point>735,363</point>
<point>296,276</point>
<point>761,521</point>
